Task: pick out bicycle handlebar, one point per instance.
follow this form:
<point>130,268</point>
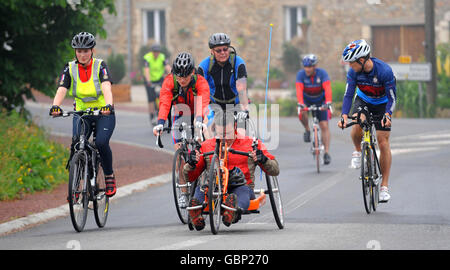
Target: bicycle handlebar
<point>314,107</point>
<point>179,127</point>
<point>238,152</point>
<point>89,111</point>
<point>158,137</point>
<point>370,119</point>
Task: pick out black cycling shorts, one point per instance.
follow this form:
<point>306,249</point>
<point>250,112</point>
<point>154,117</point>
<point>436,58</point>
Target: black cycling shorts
<point>151,93</point>
<point>377,110</point>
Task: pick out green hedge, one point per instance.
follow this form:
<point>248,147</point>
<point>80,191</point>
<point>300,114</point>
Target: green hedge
<point>29,161</point>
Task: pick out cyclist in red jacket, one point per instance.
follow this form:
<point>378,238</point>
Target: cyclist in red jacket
<point>183,86</point>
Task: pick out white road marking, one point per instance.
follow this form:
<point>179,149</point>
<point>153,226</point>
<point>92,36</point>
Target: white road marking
<point>190,243</point>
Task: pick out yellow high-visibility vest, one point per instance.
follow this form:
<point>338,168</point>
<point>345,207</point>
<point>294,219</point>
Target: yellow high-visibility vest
<point>156,65</point>
<point>87,94</point>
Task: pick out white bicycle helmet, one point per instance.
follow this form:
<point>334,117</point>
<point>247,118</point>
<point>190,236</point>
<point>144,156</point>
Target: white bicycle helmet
<point>355,50</point>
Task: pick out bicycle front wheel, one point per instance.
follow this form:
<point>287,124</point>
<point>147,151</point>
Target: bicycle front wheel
<point>101,201</point>
<point>78,196</point>
<point>365,178</point>
<point>180,187</point>
<point>214,194</point>
<point>275,200</point>
<point>376,173</point>
<point>316,148</point>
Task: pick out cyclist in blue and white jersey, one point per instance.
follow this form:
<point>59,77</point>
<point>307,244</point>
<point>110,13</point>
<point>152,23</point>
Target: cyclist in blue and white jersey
<point>375,86</point>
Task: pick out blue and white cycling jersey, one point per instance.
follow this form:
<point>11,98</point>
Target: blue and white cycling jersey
<point>376,87</point>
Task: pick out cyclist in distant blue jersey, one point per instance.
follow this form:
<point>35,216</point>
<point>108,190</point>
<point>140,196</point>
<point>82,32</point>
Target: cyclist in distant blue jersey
<point>374,83</point>
<point>313,86</point>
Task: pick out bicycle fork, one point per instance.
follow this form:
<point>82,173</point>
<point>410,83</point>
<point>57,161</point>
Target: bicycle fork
<point>368,144</point>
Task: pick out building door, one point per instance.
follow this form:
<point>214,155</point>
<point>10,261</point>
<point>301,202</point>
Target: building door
<point>390,42</point>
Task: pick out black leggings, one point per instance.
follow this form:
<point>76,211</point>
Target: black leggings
<point>151,90</point>
<point>105,125</point>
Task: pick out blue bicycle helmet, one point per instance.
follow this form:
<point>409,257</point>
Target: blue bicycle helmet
<point>309,60</point>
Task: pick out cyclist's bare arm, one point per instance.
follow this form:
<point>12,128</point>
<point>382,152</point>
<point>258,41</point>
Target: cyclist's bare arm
<point>60,95</point>
<point>107,92</point>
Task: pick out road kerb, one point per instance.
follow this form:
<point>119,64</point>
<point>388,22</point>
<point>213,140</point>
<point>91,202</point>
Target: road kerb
<point>63,210</point>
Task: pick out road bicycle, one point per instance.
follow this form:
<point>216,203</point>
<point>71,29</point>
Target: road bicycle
<point>370,174</point>
<point>180,187</point>
<point>317,147</point>
<point>86,178</point>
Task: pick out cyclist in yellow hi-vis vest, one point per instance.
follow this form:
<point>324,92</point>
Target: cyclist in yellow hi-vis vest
<point>155,67</point>
<point>87,79</point>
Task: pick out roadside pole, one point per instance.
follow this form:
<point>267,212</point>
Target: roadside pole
<point>430,55</point>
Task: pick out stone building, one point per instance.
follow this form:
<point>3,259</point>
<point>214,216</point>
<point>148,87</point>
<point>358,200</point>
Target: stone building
<point>323,27</point>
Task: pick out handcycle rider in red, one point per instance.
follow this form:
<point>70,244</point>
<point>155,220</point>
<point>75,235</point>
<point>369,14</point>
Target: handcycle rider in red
<point>241,169</point>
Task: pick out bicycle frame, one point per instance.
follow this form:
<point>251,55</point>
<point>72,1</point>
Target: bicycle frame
<point>368,147</point>
<point>83,146</point>
<point>317,147</point>
<point>90,161</point>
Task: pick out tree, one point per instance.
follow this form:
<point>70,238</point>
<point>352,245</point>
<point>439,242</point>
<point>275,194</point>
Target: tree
<point>35,43</point>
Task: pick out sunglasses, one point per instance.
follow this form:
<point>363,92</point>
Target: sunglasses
<point>221,50</point>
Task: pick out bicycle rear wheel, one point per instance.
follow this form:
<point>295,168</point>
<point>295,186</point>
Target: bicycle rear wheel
<point>180,186</point>
<point>78,196</point>
<point>365,178</point>
<point>101,201</point>
<point>214,194</point>
<point>275,200</point>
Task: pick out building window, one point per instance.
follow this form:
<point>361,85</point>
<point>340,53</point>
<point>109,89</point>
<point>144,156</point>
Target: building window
<point>154,26</point>
<point>293,17</point>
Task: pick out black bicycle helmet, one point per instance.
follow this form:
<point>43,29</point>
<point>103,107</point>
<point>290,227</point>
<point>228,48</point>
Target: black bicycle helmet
<point>219,39</point>
<point>155,48</point>
<point>183,65</point>
<point>83,40</point>
<point>236,178</point>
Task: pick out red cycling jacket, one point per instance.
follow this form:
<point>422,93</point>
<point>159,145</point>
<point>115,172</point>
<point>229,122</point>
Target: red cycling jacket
<point>167,93</point>
<point>246,164</point>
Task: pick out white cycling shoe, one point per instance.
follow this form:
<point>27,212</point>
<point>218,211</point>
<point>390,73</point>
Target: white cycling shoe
<point>356,160</point>
<point>384,194</point>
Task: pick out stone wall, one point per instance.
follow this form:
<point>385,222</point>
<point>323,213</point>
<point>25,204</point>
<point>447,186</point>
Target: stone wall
<point>334,23</point>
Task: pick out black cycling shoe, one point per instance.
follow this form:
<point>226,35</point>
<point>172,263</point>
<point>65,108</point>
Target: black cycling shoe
<point>326,159</point>
<point>307,136</point>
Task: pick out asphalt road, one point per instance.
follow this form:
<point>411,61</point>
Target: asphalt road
<point>322,211</point>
